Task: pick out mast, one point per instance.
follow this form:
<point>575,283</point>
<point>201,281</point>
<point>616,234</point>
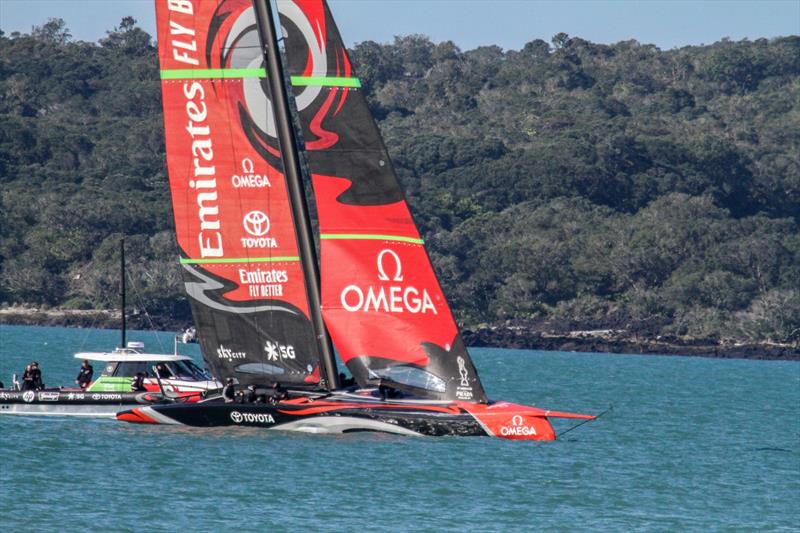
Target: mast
<point>122,286</point>
<point>289,152</point>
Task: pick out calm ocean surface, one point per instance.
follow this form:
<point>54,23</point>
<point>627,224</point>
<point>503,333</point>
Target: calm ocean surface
<point>691,444</point>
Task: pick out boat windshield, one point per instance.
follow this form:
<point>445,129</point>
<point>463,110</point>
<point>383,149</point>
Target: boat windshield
<point>186,370</point>
<point>411,376</point>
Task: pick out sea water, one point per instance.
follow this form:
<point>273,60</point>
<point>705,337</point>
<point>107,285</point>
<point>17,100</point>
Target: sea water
<point>691,444</point>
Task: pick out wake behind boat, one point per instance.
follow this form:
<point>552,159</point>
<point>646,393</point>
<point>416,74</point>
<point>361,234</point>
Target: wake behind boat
<point>266,310</point>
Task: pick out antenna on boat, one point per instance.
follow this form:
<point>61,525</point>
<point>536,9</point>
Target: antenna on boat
<point>122,286</point>
<point>291,163</point>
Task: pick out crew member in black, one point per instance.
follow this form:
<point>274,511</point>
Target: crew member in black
<point>250,395</point>
<point>229,391</point>
<point>388,392</point>
<point>137,385</point>
<point>344,382</point>
<point>27,378</point>
<point>36,375</point>
<point>278,393</point>
<point>84,374</point>
<point>163,371</point>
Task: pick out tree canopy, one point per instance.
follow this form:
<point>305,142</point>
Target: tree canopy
<point>576,184</point>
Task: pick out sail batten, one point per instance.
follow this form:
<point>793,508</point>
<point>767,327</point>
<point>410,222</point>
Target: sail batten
<point>381,300</point>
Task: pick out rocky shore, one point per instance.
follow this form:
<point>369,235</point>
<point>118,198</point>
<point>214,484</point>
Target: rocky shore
<point>601,341</point>
<point>620,341</point>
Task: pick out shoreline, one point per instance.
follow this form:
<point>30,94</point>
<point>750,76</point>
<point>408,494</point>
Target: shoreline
<point>596,341</point>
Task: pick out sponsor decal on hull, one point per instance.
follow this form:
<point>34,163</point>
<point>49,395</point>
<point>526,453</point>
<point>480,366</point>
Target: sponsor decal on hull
<point>251,418</point>
<point>48,396</point>
<point>517,428</point>
<point>106,396</point>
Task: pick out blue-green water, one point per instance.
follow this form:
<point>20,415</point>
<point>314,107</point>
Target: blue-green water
<point>692,444</point>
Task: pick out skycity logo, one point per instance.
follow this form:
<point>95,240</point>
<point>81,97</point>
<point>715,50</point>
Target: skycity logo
<point>228,354</point>
<point>391,298</point>
<point>517,427</point>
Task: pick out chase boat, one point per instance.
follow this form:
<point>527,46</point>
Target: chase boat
<point>168,378</point>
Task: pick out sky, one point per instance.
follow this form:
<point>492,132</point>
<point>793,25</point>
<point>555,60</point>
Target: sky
<point>472,23</point>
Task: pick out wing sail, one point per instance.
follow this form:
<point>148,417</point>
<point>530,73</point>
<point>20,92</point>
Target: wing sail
<point>382,302</point>
<point>233,220</point>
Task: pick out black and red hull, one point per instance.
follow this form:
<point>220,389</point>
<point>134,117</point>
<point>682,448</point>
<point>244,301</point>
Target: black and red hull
<point>348,413</point>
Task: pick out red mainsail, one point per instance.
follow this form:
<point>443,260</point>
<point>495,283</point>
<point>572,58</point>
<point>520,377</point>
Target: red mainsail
<point>382,302</point>
<point>233,220</point>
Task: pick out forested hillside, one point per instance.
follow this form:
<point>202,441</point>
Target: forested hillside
<point>569,185</point>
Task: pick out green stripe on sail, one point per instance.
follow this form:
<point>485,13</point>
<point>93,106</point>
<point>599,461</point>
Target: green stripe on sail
<point>187,261</point>
<point>326,81</point>
<point>370,237</point>
<point>212,73</point>
<point>234,73</point>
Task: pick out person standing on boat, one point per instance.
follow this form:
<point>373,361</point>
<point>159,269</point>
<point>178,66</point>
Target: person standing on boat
<point>229,391</point>
<point>27,378</point>
<point>84,374</point>
<point>36,376</point>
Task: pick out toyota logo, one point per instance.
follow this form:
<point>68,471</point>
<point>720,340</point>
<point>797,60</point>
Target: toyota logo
<point>256,223</point>
<point>236,416</point>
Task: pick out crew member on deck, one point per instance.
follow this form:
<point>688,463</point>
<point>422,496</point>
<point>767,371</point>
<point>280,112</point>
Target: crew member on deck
<point>36,376</point>
<point>229,391</point>
<point>278,393</point>
<point>162,371</point>
<point>137,385</point>
<point>27,378</point>
<point>250,395</point>
<point>84,374</point>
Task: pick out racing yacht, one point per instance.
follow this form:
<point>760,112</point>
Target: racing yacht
<point>167,378</point>
<point>268,311</point>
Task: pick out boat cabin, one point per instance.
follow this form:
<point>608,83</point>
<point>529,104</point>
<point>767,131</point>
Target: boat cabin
<point>178,373</point>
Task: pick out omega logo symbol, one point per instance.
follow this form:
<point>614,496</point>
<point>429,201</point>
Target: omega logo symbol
<point>398,274</point>
<point>517,420</point>
<point>256,223</point>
